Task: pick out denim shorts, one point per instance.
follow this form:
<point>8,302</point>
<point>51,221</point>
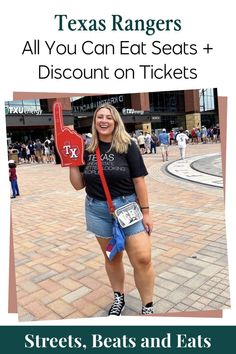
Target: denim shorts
<point>99,219</point>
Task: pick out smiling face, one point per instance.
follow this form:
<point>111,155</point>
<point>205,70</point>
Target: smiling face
<point>104,124</point>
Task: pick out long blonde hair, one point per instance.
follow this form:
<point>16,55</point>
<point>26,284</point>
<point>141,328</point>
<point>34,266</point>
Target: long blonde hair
<point>120,138</point>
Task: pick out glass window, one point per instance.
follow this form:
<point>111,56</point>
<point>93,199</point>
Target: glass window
<point>171,101</point>
<point>206,99</point>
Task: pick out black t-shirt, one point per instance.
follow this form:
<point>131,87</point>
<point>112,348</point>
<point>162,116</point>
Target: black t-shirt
<point>119,169</point>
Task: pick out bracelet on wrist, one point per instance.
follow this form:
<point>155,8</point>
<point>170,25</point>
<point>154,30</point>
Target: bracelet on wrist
<point>144,207</point>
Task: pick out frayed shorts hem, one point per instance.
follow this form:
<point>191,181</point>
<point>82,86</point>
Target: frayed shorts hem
<point>109,237</point>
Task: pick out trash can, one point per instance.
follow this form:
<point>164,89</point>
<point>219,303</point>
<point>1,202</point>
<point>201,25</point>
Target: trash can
<point>13,155</point>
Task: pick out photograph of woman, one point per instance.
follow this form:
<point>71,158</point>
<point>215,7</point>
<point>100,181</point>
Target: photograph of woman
<point>125,173</point>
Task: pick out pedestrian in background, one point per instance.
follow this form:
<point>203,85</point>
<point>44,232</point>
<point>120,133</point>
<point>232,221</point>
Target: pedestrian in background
<point>141,143</point>
<point>47,150</point>
<point>32,151</point>
<point>39,151</point>
<point>13,178</point>
<point>172,137</point>
<point>164,140</point>
<point>182,139</point>
<point>147,142</point>
<point>154,141</point>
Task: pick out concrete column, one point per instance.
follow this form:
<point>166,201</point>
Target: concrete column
<point>147,127</point>
<point>191,100</point>
<point>192,109</point>
<point>66,107</point>
<point>193,120</point>
<point>140,101</point>
<point>65,101</point>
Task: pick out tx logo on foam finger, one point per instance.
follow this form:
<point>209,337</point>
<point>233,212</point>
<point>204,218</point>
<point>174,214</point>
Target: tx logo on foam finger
<point>73,152</point>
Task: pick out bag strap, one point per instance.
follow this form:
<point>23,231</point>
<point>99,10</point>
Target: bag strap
<point>104,182</point>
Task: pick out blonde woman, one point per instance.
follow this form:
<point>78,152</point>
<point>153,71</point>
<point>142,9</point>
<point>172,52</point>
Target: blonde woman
<point>124,170</point>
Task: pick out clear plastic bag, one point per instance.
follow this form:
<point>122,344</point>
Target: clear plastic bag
<point>128,214</point>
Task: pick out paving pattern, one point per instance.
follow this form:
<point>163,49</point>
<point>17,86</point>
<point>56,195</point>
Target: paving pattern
<point>205,170</point>
<point>59,267</point>
<point>211,165</point>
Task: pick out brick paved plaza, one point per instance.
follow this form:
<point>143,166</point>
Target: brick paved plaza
<point>59,266</point>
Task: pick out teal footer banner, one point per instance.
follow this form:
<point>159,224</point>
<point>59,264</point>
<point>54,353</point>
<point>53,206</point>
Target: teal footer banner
<point>117,339</point>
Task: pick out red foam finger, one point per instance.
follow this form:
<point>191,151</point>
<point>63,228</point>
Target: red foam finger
<point>58,118</point>
<point>69,144</point>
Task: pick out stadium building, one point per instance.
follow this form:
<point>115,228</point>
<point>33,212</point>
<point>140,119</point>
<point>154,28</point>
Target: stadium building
<point>31,119</point>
